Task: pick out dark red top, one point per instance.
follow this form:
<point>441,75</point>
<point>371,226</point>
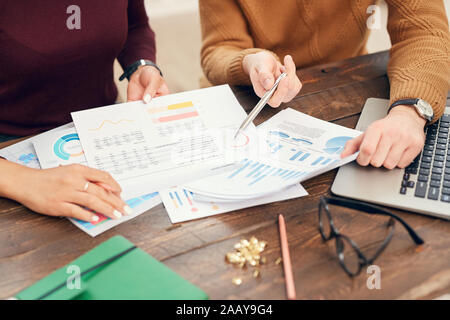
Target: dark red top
<point>48,70</point>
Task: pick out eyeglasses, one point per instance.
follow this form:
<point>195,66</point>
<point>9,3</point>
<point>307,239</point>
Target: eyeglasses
<point>353,262</point>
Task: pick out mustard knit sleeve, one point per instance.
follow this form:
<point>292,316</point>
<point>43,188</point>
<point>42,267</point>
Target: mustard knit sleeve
<point>419,65</point>
<point>226,42</point>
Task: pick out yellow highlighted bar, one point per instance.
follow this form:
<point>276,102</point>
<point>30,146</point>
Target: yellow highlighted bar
<point>176,106</point>
<point>180,105</point>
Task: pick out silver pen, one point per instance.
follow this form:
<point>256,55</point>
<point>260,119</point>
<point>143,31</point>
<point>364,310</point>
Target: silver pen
<point>260,105</point>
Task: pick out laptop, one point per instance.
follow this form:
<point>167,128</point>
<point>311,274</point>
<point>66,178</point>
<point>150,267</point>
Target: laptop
<point>423,186</point>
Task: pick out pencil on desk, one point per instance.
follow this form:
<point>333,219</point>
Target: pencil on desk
<point>288,275</point>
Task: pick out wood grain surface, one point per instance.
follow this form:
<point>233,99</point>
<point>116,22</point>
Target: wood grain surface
<point>33,245</point>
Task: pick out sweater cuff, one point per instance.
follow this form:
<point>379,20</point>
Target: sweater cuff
<point>236,72</point>
<point>417,89</point>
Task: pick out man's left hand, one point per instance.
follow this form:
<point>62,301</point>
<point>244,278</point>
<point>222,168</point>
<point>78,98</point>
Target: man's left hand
<point>393,141</point>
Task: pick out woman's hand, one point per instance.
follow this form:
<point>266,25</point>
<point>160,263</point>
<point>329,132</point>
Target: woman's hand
<point>264,69</point>
<point>62,192</point>
<point>146,83</point>
<point>393,141</point>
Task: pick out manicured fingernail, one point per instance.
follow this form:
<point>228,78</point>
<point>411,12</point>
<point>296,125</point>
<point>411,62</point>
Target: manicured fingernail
<point>128,210</point>
<point>267,83</point>
<point>95,218</point>
<point>117,214</point>
<point>147,98</point>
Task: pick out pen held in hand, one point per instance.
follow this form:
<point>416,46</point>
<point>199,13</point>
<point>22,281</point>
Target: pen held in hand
<point>260,105</point>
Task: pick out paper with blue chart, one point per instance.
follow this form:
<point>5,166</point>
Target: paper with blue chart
<point>23,152</point>
<point>182,205</point>
<point>297,147</point>
<point>58,148</point>
<point>62,147</point>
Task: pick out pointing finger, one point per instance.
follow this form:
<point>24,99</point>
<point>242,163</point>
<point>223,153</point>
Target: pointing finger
<point>352,146</point>
<point>290,66</point>
<point>368,146</point>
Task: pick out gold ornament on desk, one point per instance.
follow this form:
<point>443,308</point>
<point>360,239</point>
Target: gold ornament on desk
<point>247,253</point>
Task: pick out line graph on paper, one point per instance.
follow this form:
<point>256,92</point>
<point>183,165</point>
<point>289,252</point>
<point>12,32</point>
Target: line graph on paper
<point>111,122</point>
<point>122,147</point>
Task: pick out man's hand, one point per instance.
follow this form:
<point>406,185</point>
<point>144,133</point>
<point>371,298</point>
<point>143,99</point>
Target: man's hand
<point>264,69</point>
<point>146,83</point>
<point>393,141</point>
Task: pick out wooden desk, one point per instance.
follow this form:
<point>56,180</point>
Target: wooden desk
<point>32,245</point>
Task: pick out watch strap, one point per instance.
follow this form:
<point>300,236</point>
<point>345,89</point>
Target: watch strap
<point>408,102</point>
<point>135,65</point>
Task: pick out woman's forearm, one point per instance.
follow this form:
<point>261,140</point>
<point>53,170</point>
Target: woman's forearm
<point>11,175</point>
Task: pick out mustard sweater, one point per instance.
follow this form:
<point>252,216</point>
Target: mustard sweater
<point>321,31</point>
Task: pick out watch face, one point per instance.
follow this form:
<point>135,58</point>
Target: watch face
<point>425,108</point>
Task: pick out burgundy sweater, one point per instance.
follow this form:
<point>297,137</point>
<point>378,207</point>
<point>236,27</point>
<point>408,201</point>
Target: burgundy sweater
<point>48,70</point>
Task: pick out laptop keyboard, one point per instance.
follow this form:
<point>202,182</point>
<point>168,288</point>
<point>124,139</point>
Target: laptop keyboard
<point>431,168</point>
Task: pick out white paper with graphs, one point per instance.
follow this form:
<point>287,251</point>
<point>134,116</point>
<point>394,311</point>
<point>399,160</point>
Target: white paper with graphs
<point>184,146</point>
<point>292,148</point>
<point>61,147</point>
<point>172,140</point>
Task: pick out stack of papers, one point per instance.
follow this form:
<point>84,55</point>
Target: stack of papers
<point>60,146</point>
<point>172,140</point>
<point>293,147</point>
<point>183,205</point>
<point>180,149</point>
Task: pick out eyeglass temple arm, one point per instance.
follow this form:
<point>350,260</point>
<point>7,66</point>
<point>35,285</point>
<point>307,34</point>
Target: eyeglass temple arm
<point>358,205</point>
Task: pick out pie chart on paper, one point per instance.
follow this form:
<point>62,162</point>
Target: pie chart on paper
<point>336,145</point>
<point>68,146</point>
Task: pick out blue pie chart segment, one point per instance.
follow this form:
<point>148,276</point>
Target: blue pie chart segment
<point>58,147</point>
<point>336,145</point>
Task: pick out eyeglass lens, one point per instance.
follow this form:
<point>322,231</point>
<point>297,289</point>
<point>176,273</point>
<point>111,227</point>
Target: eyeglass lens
<point>324,223</point>
<point>347,255</point>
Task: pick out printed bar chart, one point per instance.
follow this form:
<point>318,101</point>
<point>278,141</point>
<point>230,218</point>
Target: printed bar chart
<point>317,161</point>
<point>175,117</point>
<point>25,159</point>
<point>177,106</point>
<point>173,112</point>
<point>252,172</point>
<point>295,156</point>
<point>304,157</point>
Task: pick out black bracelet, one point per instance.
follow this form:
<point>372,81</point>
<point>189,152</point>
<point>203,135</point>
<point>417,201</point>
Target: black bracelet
<point>134,66</point>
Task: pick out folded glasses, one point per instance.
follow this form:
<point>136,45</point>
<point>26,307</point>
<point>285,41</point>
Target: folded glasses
<point>353,262</point>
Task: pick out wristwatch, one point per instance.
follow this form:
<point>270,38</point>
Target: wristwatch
<point>422,107</point>
<point>134,66</point>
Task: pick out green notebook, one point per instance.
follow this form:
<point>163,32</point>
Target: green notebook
<point>116,269</point>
